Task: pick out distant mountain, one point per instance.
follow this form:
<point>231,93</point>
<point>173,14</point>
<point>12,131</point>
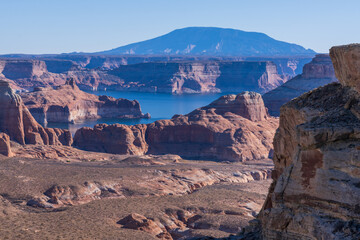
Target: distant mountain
<point>212,41</point>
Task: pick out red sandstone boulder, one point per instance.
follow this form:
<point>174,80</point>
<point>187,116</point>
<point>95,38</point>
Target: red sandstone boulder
<point>5,148</point>
<point>138,222</point>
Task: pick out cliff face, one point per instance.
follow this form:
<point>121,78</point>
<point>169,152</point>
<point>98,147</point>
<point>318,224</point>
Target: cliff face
<point>68,103</point>
<point>17,122</point>
<point>318,72</point>
<point>315,193</point>
<point>29,74</point>
<point>232,128</point>
<point>196,77</point>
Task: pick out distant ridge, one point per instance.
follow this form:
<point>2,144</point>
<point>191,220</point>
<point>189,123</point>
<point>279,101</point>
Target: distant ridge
<point>212,41</point>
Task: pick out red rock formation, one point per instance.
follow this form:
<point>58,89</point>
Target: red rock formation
<point>139,222</point>
<point>315,193</point>
<point>318,72</point>
<point>5,148</point>
<point>19,124</point>
<point>68,103</point>
<point>234,128</point>
<point>116,138</point>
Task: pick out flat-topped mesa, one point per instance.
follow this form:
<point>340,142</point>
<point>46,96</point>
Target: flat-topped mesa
<point>315,192</point>
<point>346,60</point>
<point>319,67</point>
<point>249,105</point>
<point>17,122</point>
<point>232,128</point>
<point>67,103</point>
<point>318,72</point>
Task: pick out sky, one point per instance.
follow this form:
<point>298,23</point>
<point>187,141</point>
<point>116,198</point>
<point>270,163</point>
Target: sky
<point>62,26</point>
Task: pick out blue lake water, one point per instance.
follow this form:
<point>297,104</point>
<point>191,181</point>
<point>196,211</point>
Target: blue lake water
<point>159,105</point>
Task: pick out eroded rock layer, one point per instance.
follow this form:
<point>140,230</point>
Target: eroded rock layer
<point>178,76</point>
<point>318,72</point>
<point>68,103</point>
<point>17,122</point>
<point>233,128</point>
<point>315,193</point>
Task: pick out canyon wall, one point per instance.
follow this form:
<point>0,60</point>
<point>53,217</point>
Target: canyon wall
<point>150,74</point>
<point>232,128</point>
<point>67,103</point>
<point>199,77</point>
<point>18,123</point>
<point>318,72</point>
<point>315,192</point>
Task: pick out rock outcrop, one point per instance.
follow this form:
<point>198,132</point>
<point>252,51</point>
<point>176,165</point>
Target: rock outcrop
<point>5,148</point>
<point>318,72</point>
<point>232,128</point>
<point>17,122</point>
<point>315,192</point>
<point>67,103</point>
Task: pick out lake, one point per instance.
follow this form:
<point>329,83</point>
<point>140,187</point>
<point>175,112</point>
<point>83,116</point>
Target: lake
<point>159,105</point>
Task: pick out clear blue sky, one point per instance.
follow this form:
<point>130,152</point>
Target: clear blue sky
<point>57,26</point>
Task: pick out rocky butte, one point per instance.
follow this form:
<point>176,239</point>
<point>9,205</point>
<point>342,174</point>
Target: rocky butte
<point>315,192</point>
<point>232,128</point>
<point>67,103</point>
<point>17,122</point>
<point>318,72</point>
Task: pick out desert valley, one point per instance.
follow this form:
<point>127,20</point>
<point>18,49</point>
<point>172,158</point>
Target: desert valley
<point>201,133</point>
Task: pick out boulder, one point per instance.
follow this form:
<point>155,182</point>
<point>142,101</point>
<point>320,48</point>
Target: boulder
<point>5,148</point>
<point>346,60</point>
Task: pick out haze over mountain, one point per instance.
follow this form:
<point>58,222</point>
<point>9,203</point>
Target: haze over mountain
<point>212,41</point>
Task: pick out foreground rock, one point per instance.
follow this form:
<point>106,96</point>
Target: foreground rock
<point>232,128</point>
<point>318,72</point>
<point>17,122</point>
<point>68,103</point>
<point>5,148</point>
<point>315,193</point>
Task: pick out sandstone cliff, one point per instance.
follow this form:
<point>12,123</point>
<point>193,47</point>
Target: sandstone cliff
<point>232,128</point>
<point>318,72</point>
<point>199,77</point>
<point>17,122</point>
<point>178,76</point>
<point>315,192</point>
<point>67,103</point>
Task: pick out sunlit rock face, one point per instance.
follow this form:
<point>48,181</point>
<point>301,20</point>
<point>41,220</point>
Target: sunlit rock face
<point>17,122</point>
<point>316,193</point>
<point>67,103</point>
<point>318,72</point>
<point>232,128</point>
